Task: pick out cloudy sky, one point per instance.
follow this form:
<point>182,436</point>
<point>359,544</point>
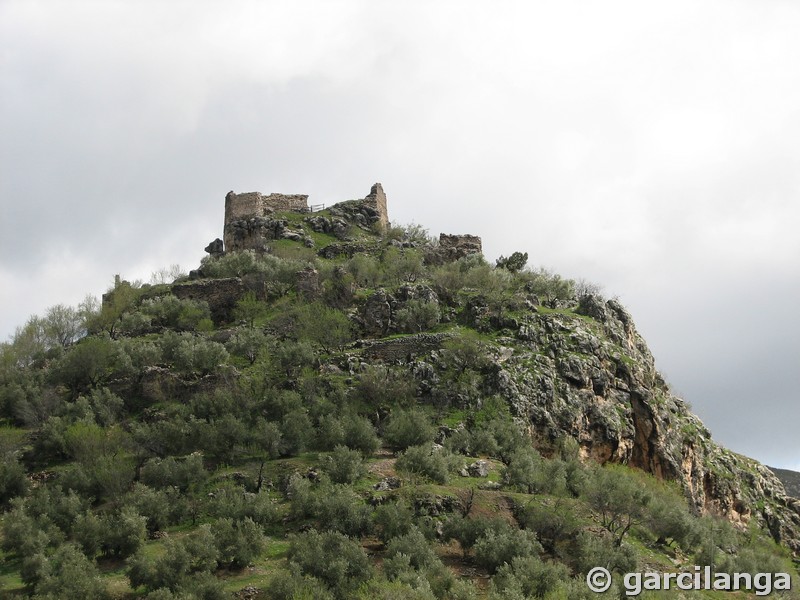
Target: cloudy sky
<point>649,147</point>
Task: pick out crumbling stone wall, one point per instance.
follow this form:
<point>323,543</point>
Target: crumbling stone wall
<point>249,223</point>
<point>376,199</point>
<point>245,217</point>
<point>296,202</point>
<point>403,349</point>
<point>254,204</point>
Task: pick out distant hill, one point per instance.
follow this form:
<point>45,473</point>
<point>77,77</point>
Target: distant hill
<point>790,480</point>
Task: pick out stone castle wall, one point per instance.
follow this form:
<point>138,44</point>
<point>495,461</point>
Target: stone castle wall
<point>248,224</point>
<point>241,232</point>
<point>377,201</point>
<point>254,204</point>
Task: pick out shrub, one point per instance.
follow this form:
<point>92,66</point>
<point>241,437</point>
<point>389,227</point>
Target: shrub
<point>417,316</point>
<point>528,577</point>
<point>554,523</point>
<point>421,460</point>
<point>249,308</point>
<point>293,585</point>
<point>500,546</point>
<point>407,428</point>
<point>340,509</point>
<point>381,386</point>
<point>619,497</point>
<point>170,311</point>
<point>413,545</point>
<point>601,551</point>
<point>393,519</point>
<point>515,262</point>
<point>237,504</point>
<point>125,531</point>
<point>319,324</point>
<point>296,430</point>
<point>468,531</point>
<point>161,473</point>
<point>345,465</point>
<point>339,562</point>
<point>247,343</point>
<point>238,542</point>
<point>330,432</point>
<point>377,589</point>
<point>13,481</point>
<point>89,363</point>
<point>359,434</point>
<point>198,356</point>
<point>69,574</point>
<point>197,553</point>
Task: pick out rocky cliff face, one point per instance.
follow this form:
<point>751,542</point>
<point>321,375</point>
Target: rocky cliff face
<point>585,372</point>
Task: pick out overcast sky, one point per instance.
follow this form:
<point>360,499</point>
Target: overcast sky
<point>649,147</point>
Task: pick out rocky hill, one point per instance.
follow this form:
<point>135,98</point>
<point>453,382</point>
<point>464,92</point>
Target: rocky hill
<point>324,374</point>
<point>790,480</point>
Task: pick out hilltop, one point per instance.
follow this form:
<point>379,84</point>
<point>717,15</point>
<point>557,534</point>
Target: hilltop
<point>332,406</point>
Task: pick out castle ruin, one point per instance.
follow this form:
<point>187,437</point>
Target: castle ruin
<point>249,223</point>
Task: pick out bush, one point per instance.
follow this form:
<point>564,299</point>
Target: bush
<point>421,460</point>
<point>528,577</point>
<point>91,362</point>
<point>345,465</point>
<point>528,471</point>
<point>198,356</point>
<point>237,504</point>
<point>182,474</point>
<point>393,519</point>
<point>600,551</point>
<point>468,531</point>
<point>407,428</point>
<point>69,574</point>
<point>126,530</point>
<point>377,589</point>
<point>249,308</point>
<point>620,499</point>
<point>24,536</point>
<point>414,546</point>
<point>293,585</point>
<point>160,507</point>
<point>170,311</point>
<point>319,324</point>
<point>238,542</point>
<point>554,523</point>
<point>13,481</point>
<point>296,430</point>
<point>181,558</point>
<point>417,316</point>
<point>339,562</point>
<point>381,386</point>
<point>502,545</point>
<point>248,344</point>
<point>515,262</point>
<point>338,508</point>
<point>359,434</point>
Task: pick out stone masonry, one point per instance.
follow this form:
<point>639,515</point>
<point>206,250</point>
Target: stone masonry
<point>377,201</point>
<point>249,224</point>
<point>251,208</point>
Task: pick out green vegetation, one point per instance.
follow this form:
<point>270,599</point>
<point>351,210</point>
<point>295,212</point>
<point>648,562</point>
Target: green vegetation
<point>152,452</point>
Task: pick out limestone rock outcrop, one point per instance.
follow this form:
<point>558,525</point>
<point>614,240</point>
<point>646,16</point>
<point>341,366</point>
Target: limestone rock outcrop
<point>594,379</point>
